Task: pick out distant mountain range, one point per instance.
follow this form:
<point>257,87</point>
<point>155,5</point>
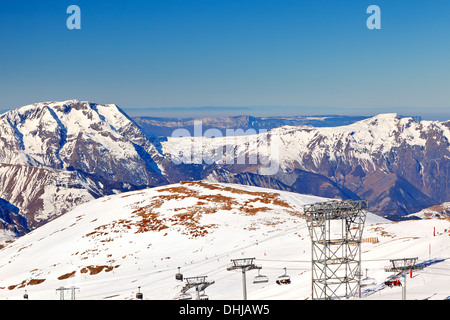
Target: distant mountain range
<point>57,155</point>
<point>399,165</point>
<point>164,127</point>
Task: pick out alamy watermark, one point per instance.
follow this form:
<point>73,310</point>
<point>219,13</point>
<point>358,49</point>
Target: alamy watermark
<point>374,20</point>
<point>74,20</point>
<point>237,147</point>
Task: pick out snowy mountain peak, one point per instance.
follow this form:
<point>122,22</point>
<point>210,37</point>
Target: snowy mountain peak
<point>51,134</point>
<point>82,149</point>
<point>387,159</point>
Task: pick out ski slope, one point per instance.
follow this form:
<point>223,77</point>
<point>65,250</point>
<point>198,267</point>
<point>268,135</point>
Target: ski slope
<point>110,246</point>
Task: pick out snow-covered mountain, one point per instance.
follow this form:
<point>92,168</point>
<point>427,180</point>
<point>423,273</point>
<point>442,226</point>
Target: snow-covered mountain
<point>438,211</point>
<point>162,127</point>
<point>57,155</point>
<point>94,139</point>
<point>12,223</point>
<point>110,246</point>
<point>397,164</point>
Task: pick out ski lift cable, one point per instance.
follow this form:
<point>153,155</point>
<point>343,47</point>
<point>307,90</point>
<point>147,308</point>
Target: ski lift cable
<point>280,260</point>
<point>222,255</point>
<point>127,289</point>
<point>170,269</point>
<point>219,268</point>
<point>439,274</point>
<point>202,262</point>
<point>215,269</point>
<point>147,283</point>
<point>283,233</point>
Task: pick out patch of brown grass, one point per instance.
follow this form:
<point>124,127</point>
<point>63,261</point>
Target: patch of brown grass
<point>31,282</point>
<point>67,275</point>
<point>97,269</point>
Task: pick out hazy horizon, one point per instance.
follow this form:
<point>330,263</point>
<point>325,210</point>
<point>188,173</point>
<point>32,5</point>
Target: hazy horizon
<point>265,111</point>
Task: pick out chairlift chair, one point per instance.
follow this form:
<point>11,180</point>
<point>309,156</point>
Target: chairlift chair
<point>368,281</point>
<point>260,278</point>
<point>185,296</point>
<point>283,279</point>
<point>139,294</point>
<point>204,296</point>
<point>179,275</point>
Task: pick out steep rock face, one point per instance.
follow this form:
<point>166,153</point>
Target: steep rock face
<point>394,162</point>
<point>12,223</point>
<point>246,178</point>
<point>95,139</point>
<point>56,155</point>
<point>43,194</point>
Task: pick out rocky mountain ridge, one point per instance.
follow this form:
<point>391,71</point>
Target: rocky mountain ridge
<point>57,155</point>
<point>399,165</point>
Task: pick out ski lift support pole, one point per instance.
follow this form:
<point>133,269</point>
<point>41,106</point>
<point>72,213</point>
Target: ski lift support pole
<point>199,283</point>
<point>244,264</point>
<point>402,266</point>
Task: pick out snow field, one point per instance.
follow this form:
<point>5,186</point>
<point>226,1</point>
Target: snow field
<point>102,235</point>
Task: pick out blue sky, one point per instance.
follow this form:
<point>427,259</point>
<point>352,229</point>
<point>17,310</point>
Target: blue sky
<point>270,57</point>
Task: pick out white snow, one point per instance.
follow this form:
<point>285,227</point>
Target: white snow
<point>103,125</point>
<point>103,232</point>
<point>379,134</point>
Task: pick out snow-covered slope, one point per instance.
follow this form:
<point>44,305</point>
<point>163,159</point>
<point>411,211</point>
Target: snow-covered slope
<point>112,245</point>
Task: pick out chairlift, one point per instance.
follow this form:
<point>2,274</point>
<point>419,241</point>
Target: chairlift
<point>283,279</point>
<point>139,294</point>
<point>368,281</point>
<point>185,296</point>
<point>203,296</point>
<point>393,283</point>
<point>260,278</point>
<point>179,275</point>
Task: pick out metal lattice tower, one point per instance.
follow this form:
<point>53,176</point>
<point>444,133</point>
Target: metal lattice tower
<point>336,229</point>
<point>62,289</point>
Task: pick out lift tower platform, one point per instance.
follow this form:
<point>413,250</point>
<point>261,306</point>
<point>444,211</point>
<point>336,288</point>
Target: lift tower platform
<point>336,229</point>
